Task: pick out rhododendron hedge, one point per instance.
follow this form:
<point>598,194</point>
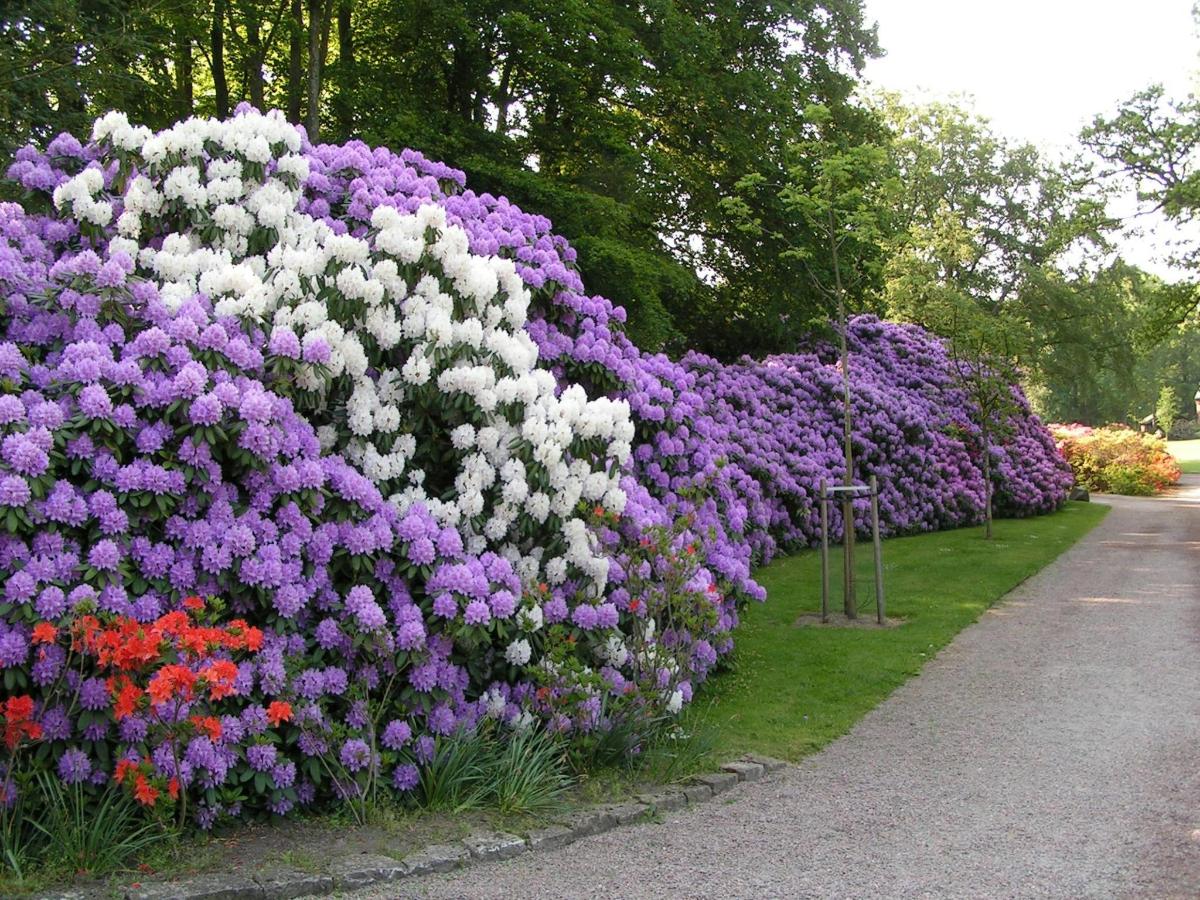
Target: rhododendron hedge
<point>1116,459</point>
<point>328,398</point>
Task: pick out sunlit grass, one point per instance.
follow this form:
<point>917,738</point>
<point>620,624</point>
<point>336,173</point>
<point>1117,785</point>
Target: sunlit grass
<point>1187,453</point>
<point>793,690</point>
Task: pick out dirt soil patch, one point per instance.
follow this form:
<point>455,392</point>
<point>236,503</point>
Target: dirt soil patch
<point>865,621</point>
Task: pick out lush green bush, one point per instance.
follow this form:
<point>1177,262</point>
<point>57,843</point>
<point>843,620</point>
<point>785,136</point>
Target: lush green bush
<point>1184,430</point>
<point>1167,409</point>
<point>1116,460</point>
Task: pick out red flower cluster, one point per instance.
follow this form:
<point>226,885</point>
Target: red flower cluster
<point>174,650</point>
<point>279,711</point>
<point>18,721</point>
<point>143,790</point>
<point>127,644</point>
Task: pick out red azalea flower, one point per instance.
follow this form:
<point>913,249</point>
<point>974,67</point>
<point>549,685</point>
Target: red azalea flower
<point>170,680</point>
<point>125,694</point>
<point>210,725</point>
<point>44,633</point>
<point>144,792</point>
<point>193,603</point>
<point>17,723</point>
<point>279,711</point>
<point>220,676</point>
<point>123,768</point>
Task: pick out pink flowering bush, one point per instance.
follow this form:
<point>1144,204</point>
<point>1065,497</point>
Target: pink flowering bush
<point>379,419</point>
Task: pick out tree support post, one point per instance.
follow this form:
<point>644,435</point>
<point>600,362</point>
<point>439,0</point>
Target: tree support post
<point>879,602</point>
<point>851,600</point>
<point>824,552</point>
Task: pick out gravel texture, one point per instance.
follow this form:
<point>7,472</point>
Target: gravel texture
<point>1049,751</point>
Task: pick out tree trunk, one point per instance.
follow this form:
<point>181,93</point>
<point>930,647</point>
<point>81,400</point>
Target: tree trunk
<point>850,605</point>
<point>503,100</point>
<point>987,480</point>
<point>318,46</point>
<point>183,76</point>
<point>220,83</point>
<point>459,93</point>
<point>347,73</point>
<point>295,60</point>
<point>255,54</point>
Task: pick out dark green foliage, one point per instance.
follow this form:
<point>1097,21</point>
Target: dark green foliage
<point>625,124</point>
<point>526,773</point>
<point>677,751</point>
<point>451,781</point>
<point>86,833</point>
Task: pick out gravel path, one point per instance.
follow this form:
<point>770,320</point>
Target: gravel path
<point>1049,751</point>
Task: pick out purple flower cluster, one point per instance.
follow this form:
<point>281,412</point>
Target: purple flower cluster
<point>737,449</point>
<point>151,451</point>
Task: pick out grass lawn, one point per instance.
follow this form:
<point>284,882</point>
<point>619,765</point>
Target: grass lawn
<point>792,690</point>
<point>1187,453</point>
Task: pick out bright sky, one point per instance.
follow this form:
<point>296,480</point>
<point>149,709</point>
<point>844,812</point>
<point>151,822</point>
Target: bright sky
<point>1039,69</point>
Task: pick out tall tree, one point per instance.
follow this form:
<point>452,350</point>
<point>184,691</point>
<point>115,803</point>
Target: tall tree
<point>1152,144</point>
<point>295,69</point>
<point>977,212</point>
<point>217,58</point>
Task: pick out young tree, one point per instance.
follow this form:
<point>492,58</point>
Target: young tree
<point>984,355</point>
<point>1166,409</point>
<point>838,194</point>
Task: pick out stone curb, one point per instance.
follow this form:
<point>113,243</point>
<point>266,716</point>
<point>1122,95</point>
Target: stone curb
<point>364,870</point>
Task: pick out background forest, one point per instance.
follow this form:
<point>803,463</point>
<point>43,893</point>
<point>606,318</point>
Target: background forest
<point>718,165</point>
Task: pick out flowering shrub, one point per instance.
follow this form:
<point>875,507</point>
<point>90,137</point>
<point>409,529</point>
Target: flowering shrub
<point>1116,460</point>
<point>376,417</point>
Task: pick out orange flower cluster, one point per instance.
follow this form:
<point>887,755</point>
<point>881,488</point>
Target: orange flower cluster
<point>18,714</point>
<point>129,648</point>
<point>174,658</point>
<point>279,711</point>
<point>208,725</point>
<point>127,644</point>
<point>143,791</point>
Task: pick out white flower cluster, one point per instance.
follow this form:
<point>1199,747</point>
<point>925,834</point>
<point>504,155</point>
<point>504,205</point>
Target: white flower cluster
<point>80,193</point>
<point>422,330</point>
<point>518,652</point>
<point>458,322</point>
<point>226,198</point>
<point>613,651</point>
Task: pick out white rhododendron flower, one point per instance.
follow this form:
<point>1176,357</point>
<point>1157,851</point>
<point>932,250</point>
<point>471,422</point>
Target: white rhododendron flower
<point>413,345</point>
<point>518,652</point>
<point>675,704</point>
<point>530,618</point>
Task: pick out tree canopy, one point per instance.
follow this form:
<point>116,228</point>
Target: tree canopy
<point>691,152</point>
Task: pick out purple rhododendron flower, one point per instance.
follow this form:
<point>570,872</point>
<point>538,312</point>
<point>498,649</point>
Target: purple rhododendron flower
<point>355,755</point>
<point>74,766</point>
<point>261,757</point>
<point>396,734</point>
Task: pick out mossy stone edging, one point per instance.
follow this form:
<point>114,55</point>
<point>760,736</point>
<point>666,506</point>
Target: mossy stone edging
<point>363,870</point>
